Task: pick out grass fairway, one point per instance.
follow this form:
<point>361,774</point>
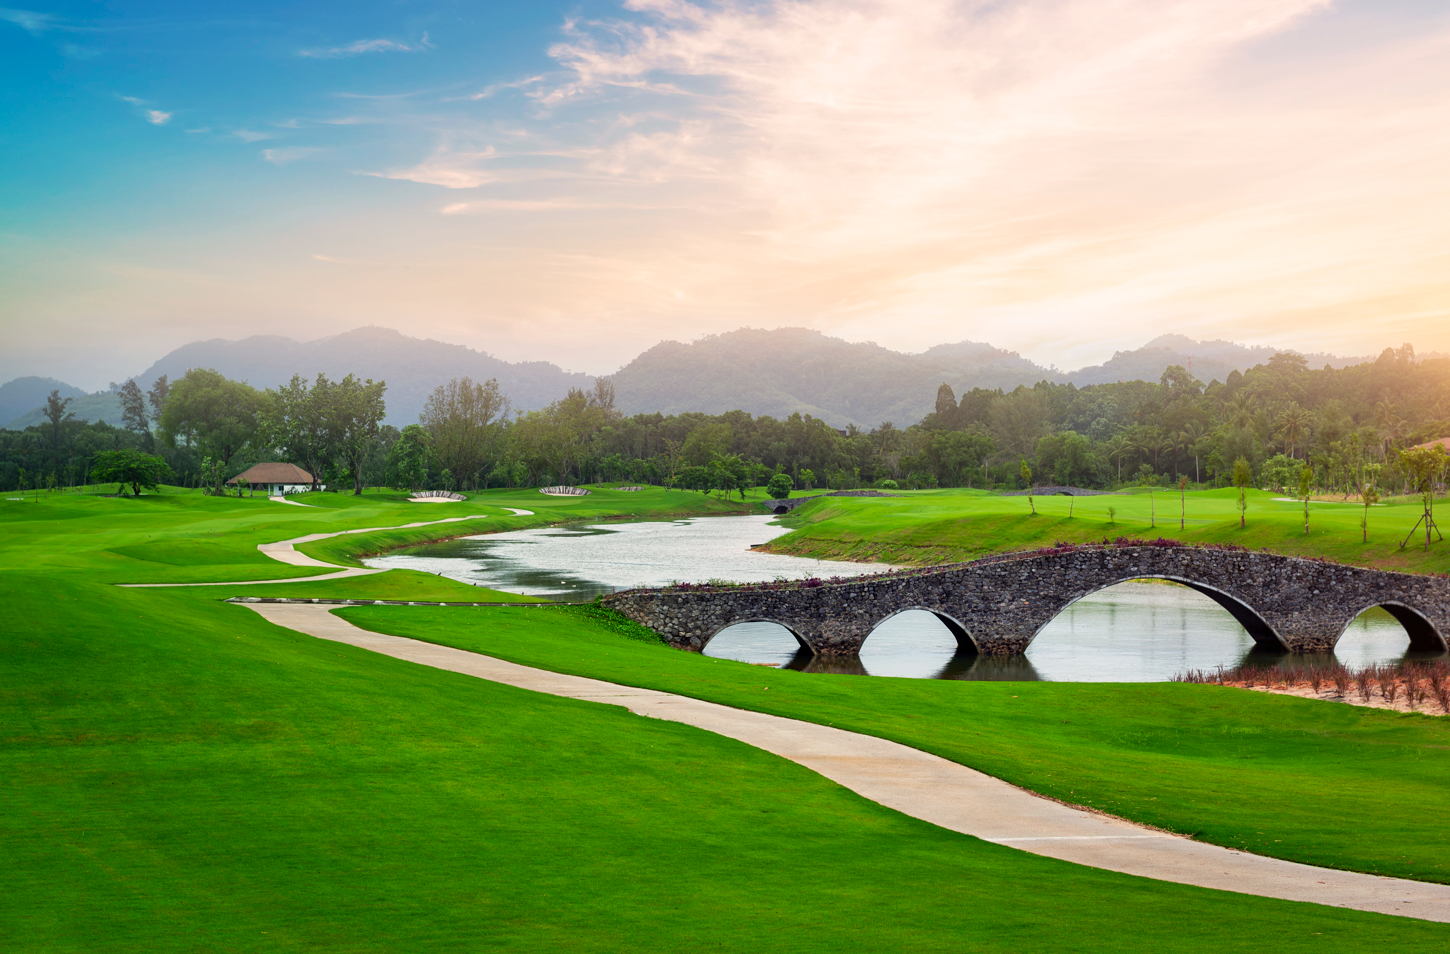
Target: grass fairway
<point>950,525</point>
<point>1317,782</point>
<point>180,775</point>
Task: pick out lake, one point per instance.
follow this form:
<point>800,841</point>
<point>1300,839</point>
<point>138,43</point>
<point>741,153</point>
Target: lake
<point>1134,632</point>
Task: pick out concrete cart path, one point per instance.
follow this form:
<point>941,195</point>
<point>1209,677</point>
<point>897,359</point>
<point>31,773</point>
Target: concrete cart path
<point>285,551</point>
<point>926,786</point>
<point>295,503</point>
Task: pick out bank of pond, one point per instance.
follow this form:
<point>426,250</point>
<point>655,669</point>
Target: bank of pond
<point>1139,631</point>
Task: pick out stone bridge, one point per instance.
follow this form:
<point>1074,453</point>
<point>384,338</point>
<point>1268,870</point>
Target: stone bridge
<point>997,605</point>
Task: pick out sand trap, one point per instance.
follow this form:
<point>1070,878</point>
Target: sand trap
<point>433,500</point>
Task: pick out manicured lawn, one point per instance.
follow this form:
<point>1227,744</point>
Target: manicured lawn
<point>1317,782</point>
<point>949,525</point>
<point>180,775</point>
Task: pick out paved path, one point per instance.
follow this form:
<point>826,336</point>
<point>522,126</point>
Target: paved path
<point>928,787</point>
<point>295,503</point>
<point>285,551</point>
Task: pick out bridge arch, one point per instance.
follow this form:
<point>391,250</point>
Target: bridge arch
<point>953,625</point>
<point>1263,634</point>
<point>1424,634</point>
<point>800,640</point>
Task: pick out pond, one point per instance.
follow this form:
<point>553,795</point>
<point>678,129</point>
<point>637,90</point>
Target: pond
<point>1142,631</point>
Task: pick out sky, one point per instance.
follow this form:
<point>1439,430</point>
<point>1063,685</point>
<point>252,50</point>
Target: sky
<point>576,182</point>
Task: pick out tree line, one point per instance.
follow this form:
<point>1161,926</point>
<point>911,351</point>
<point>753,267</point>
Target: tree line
<point>1274,426</point>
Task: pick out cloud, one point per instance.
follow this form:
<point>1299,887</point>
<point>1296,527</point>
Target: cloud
<point>449,169</point>
<point>287,154</point>
<point>251,135</point>
<point>493,89</point>
<point>363,47</point>
<point>156,117</point>
<point>562,204</point>
<point>28,20</point>
<point>1022,163</point>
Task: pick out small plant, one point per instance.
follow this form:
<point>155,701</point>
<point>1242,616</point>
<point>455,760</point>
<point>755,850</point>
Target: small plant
<point>1370,494</point>
<point>1243,477</point>
<point>1306,489</point>
<point>1113,515</point>
<point>1341,678</point>
<point>1364,682</point>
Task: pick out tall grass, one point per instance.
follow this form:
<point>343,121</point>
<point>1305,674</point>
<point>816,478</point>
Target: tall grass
<point>1410,685</point>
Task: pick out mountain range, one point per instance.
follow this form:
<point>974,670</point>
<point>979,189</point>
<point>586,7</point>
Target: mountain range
<point>776,372</point>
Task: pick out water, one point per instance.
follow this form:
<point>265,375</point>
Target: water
<point>581,562</point>
<point>1132,632</point>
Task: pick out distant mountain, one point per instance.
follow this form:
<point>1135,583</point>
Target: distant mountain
<point>1208,360</point>
<point>781,371</point>
<point>413,367</point>
<point>776,372</point>
<point>23,395</point>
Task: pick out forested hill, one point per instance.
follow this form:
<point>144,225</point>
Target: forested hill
<point>23,395</point>
<point>776,372</point>
<point>412,367</point>
<point>786,370</point>
<point>1205,360</point>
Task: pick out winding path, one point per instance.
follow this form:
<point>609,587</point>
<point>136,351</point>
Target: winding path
<point>927,786</point>
<point>899,777</point>
<point>285,551</point>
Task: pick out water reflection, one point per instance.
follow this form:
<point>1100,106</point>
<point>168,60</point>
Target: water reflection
<point>1134,632</point>
<point>581,562</point>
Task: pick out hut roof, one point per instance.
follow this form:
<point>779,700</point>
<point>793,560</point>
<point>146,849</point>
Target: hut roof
<point>272,473</point>
<point>1442,442</point>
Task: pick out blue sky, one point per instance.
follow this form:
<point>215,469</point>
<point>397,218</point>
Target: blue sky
<point>578,181</point>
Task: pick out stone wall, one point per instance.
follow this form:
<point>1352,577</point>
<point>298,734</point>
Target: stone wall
<point>998,605</point>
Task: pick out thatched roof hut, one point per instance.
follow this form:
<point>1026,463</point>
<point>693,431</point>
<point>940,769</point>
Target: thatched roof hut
<point>275,478</point>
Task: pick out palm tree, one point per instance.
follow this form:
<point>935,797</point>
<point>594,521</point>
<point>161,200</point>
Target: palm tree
<point>1294,423</point>
<point>1187,441</point>
<point>1391,426</point>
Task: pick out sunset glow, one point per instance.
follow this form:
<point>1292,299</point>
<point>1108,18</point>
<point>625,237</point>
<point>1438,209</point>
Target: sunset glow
<point>574,182</point>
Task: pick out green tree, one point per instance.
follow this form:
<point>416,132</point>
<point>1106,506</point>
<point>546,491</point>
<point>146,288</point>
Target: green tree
<point>808,478</point>
<point>135,415</point>
<point>1025,473</point>
<point>1425,468</point>
<point>1069,457</point>
<point>129,467</point>
<point>297,423</point>
<point>780,486</point>
<point>463,420</point>
<point>1281,472</point>
<point>1294,423</point>
<point>57,416</point>
<point>728,473</point>
<point>410,459</point>
<point>1306,490</point>
<point>1370,494</point>
<point>156,397</point>
<point>214,414</point>
<point>1243,477</point>
<point>353,411</point>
